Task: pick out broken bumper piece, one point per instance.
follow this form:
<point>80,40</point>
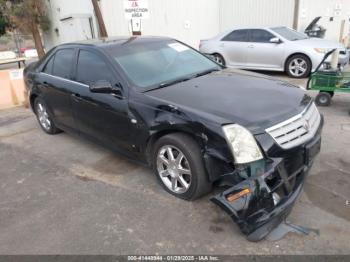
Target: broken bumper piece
<point>260,203</point>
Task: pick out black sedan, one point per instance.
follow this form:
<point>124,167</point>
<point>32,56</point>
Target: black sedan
<point>196,123</point>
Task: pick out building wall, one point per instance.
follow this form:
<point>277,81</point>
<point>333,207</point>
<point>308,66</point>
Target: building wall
<point>58,9</point>
<point>192,20</point>
<point>238,13</point>
<point>205,18</point>
<point>186,20</point>
<point>309,9</point>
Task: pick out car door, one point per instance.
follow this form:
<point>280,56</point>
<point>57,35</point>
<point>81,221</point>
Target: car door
<point>103,117</point>
<point>55,86</point>
<point>234,48</point>
<point>262,53</point>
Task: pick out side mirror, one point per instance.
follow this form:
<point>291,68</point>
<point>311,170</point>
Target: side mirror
<point>275,40</point>
<point>104,87</point>
<point>101,86</point>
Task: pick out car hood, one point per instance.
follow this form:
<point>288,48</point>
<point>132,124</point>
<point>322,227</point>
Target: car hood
<point>319,43</point>
<point>232,96</point>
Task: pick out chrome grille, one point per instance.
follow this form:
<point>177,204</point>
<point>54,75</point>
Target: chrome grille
<point>298,129</point>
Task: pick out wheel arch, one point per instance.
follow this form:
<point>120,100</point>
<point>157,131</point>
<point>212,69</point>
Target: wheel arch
<point>296,53</point>
<point>212,157</point>
<point>153,138</point>
<point>32,100</point>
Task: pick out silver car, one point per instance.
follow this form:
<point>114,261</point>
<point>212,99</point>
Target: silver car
<point>274,48</point>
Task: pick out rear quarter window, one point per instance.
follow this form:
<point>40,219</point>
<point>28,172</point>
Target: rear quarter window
<point>240,35</point>
<point>62,66</point>
<point>49,66</point>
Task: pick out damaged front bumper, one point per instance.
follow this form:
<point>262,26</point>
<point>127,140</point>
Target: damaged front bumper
<point>262,201</point>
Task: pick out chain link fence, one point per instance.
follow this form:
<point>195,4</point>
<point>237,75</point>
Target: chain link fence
<point>16,42</point>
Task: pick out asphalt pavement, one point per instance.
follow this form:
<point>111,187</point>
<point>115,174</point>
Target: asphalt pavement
<point>64,195</point>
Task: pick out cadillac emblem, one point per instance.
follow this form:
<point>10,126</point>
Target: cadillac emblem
<point>306,125</point>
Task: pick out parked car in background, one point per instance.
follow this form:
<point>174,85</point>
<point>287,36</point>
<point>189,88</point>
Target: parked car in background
<point>194,122</point>
<point>272,48</point>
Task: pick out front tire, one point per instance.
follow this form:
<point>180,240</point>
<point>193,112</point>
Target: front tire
<point>178,164</point>
<point>44,118</point>
<point>298,66</point>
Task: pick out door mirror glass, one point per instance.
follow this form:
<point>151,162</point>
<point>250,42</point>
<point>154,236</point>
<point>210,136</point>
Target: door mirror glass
<point>101,86</point>
<point>275,40</point>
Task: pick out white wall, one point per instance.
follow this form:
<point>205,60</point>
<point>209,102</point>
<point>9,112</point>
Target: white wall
<point>58,9</point>
<point>309,9</point>
<point>206,17</point>
<point>245,13</point>
<point>168,18</point>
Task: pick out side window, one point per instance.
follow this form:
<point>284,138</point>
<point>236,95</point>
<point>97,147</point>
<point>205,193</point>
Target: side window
<point>92,68</point>
<point>62,65</point>
<point>240,35</point>
<point>49,65</point>
<point>260,36</point>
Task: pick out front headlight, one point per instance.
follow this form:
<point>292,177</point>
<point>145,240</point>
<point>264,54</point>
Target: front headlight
<point>322,50</point>
<point>242,144</point>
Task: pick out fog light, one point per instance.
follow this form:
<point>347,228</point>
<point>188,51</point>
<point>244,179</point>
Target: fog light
<point>233,197</point>
<point>276,198</point>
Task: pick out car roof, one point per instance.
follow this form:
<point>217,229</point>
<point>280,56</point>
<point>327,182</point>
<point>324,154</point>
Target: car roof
<point>118,40</point>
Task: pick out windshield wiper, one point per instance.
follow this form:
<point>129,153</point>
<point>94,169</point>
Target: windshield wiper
<point>206,72</point>
<point>183,79</point>
<point>170,83</point>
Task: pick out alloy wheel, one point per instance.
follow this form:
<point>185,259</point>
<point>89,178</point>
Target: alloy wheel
<point>43,116</point>
<point>174,169</point>
<point>298,67</point>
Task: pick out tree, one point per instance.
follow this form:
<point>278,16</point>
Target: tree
<point>28,16</point>
<point>4,25</point>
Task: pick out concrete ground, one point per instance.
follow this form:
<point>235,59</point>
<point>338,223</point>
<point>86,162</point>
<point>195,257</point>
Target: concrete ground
<point>64,195</point>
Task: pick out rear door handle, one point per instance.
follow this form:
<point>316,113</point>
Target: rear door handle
<point>46,84</point>
<point>76,97</point>
<point>250,46</point>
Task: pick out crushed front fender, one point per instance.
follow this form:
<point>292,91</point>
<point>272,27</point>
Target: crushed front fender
<point>260,203</point>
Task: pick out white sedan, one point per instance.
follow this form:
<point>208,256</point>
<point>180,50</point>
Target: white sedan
<point>273,49</point>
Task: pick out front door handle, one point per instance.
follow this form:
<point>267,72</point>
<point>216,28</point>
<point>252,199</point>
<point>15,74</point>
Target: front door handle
<point>250,46</point>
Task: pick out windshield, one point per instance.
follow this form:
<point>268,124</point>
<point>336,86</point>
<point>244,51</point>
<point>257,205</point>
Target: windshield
<point>158,63</point>
<point>289,34</point>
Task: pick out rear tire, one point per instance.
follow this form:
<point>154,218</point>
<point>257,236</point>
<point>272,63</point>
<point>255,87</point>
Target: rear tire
<point>323,99</point>
<point>219,59</point>
<point>44,117</point>
<point>191,163</point>
<point>298,66</point>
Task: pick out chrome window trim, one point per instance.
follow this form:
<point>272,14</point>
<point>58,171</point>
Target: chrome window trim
<point>65,79</point>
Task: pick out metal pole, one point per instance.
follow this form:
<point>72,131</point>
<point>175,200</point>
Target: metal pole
<point>16,40</point>
<point>101,24</point>
<point>296,14</point>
